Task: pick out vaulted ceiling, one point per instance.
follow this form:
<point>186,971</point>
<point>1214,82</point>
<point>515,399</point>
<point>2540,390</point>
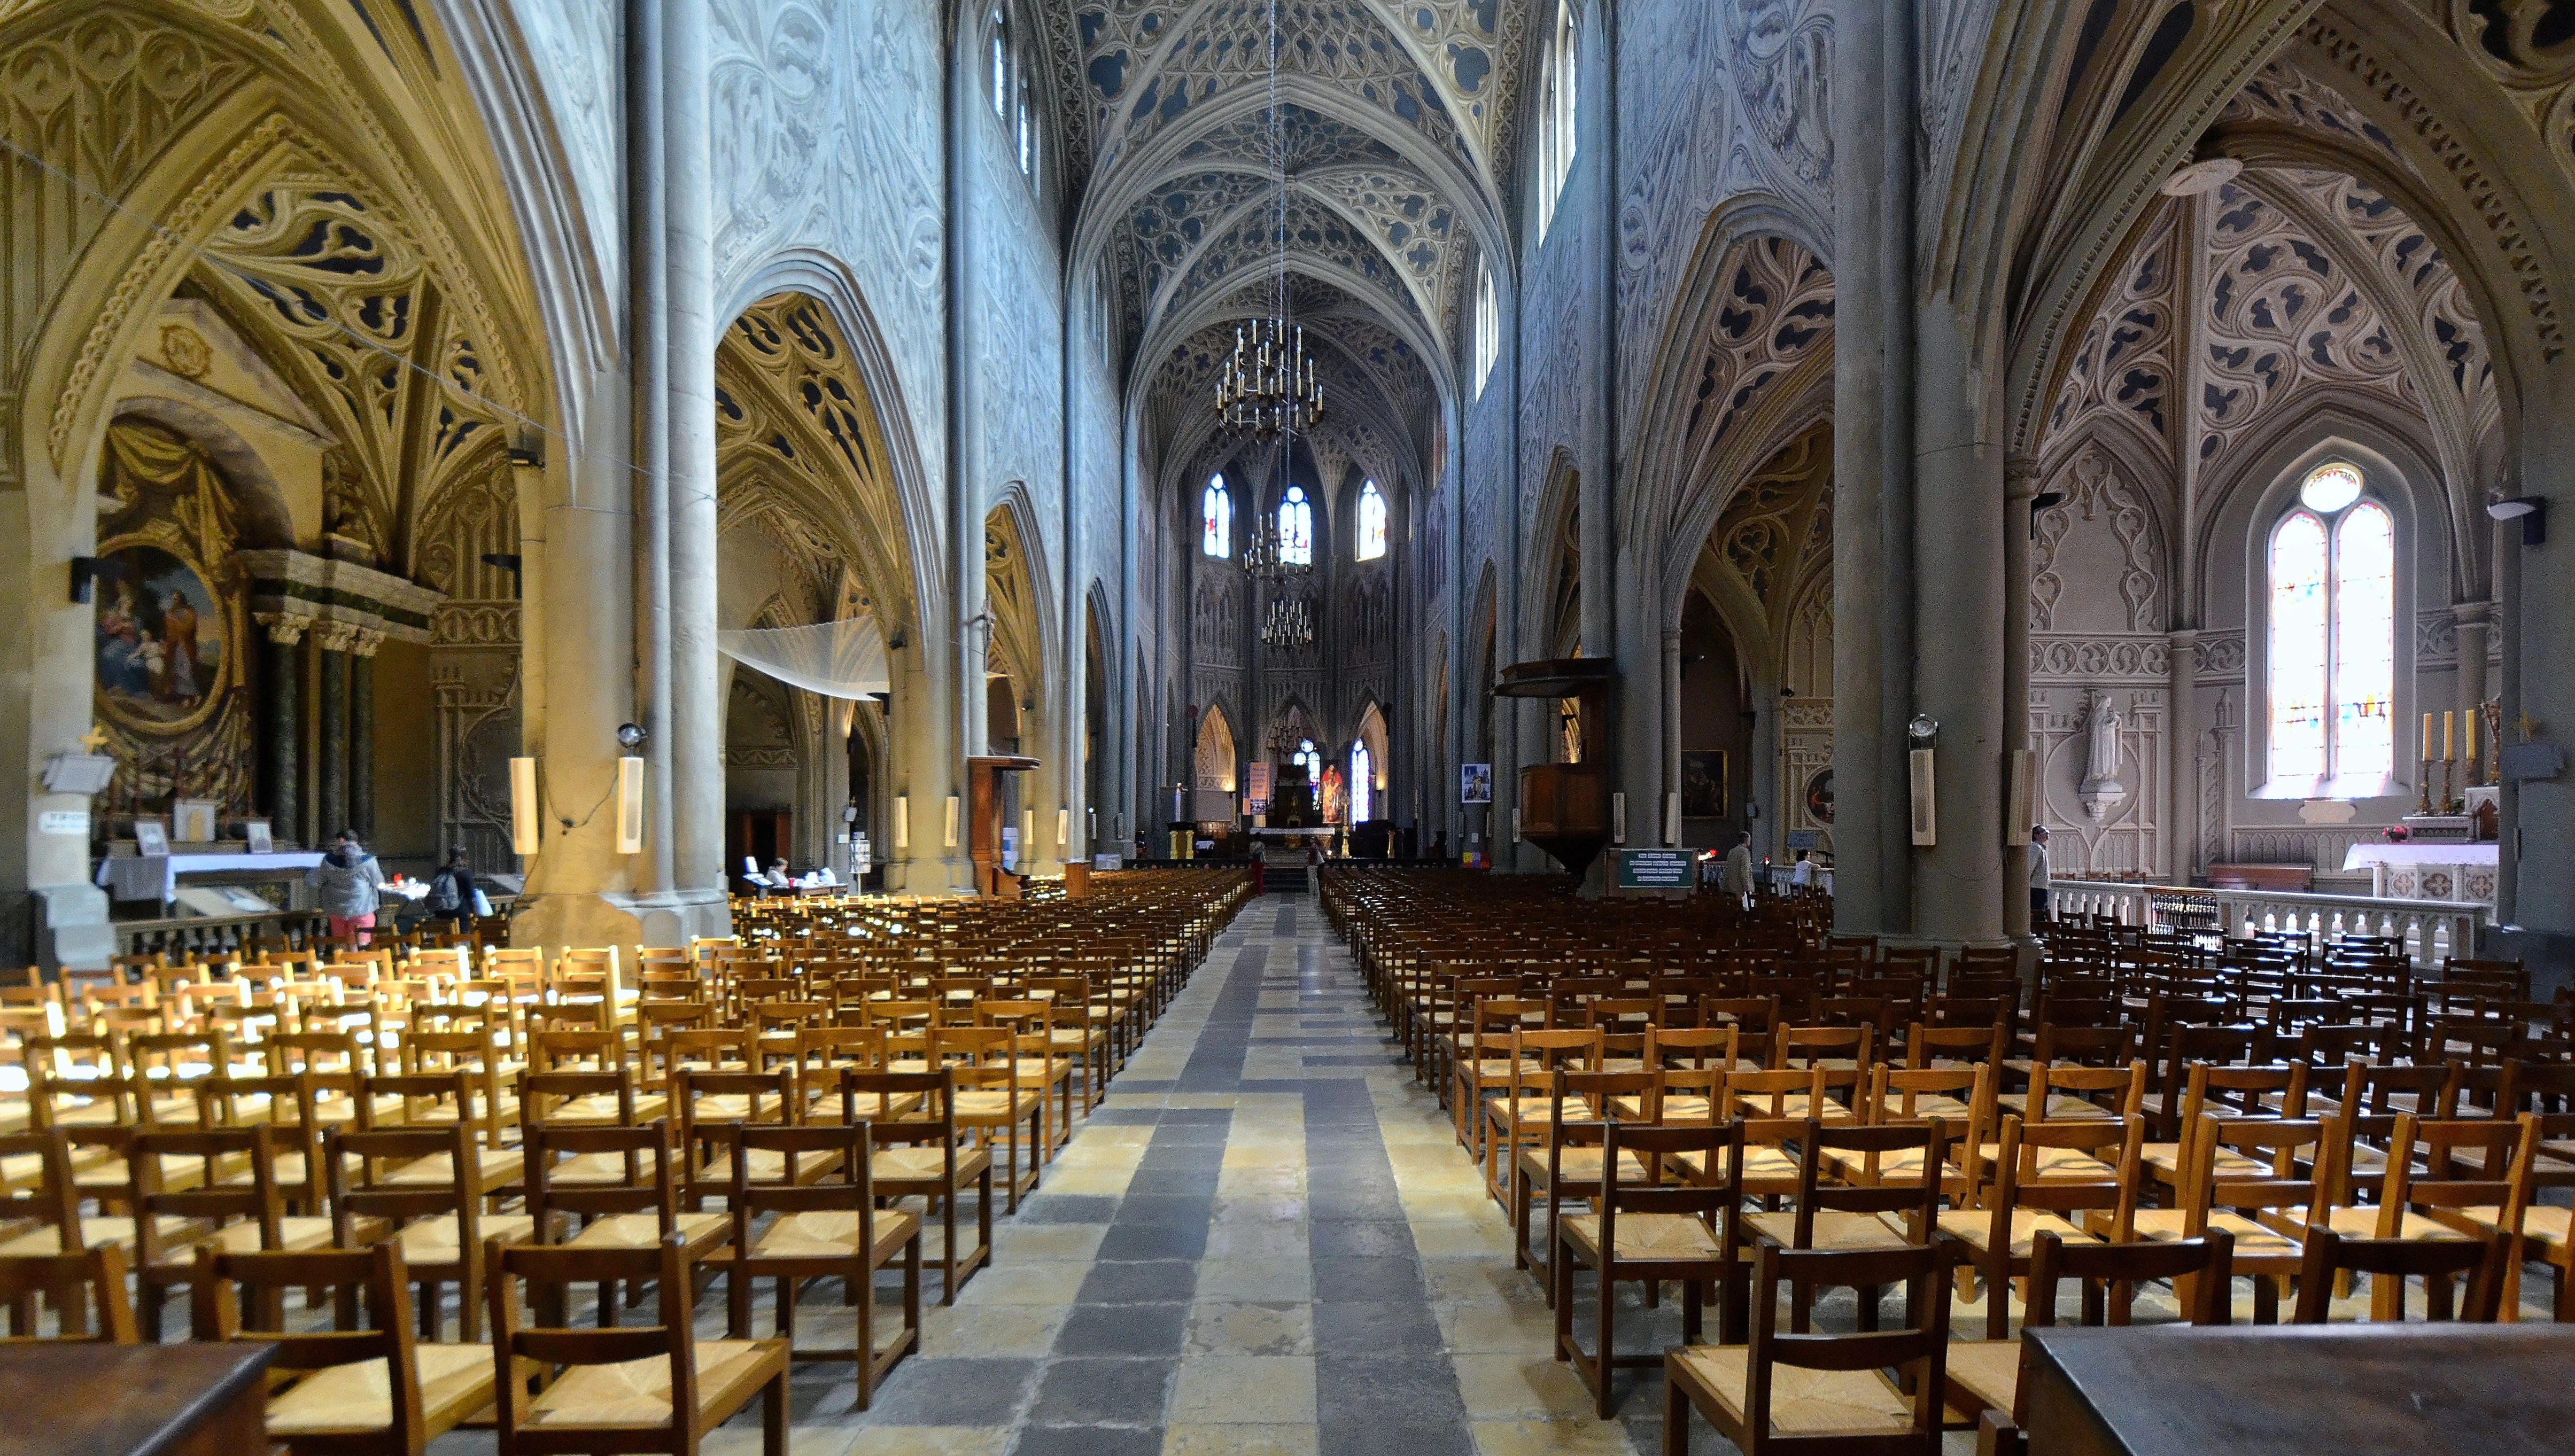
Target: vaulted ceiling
<point>1346,156</point>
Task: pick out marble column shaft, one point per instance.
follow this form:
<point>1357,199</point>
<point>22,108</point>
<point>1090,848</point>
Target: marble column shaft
<point>696,785</point>
<point>281,736</point>
<point>362,747</point>
<point>331,742</point>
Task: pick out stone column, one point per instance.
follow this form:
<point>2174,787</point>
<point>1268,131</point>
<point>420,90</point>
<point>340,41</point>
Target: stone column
<point>1873,354</point>
<point>2019,475</point>
<point>696,780</point>
<point>2181,760</point>
<point>280,727</point>
<point>2474,620</point>
<point>1666,829</point>
<point>362,738</point>
<point>578,614</point>
<point>331,738</point>
<point>1960,583</point>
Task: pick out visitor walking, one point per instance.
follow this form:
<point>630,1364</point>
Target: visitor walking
<point>1736,877</point>
<point>2040,882</point>
<point>348,877</point>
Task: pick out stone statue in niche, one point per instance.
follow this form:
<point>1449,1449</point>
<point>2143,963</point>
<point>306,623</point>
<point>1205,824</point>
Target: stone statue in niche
<point>2102,790</point>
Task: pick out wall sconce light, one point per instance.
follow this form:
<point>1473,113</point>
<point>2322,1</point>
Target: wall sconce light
<point>630,735</point>
<point>2530,511</point>
<point>1919,763</point>
<point>954,809</point>
<point>903,821</point>
<point>1064,826</point>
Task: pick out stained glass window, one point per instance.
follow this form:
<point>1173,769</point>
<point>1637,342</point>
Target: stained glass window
<point>1312,761</point>
<point>1363,780</point>
<point>2332,581</point>
<point>1216,510</point>
<point>1372,521</point>
<point>2300,638</point>
<point>1488,325</point>
<point>1555,143</point>
<point>2364,661</point>
<point>1297,528</point>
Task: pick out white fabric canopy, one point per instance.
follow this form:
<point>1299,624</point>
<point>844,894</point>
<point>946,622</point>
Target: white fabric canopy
<point>844,659</point>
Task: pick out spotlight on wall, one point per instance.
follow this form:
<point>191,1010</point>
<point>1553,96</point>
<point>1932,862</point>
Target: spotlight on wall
<point>630,735</point>
<point>2530,511</point>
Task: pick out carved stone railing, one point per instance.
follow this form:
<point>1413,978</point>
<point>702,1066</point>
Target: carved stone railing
<point>2429,929</point>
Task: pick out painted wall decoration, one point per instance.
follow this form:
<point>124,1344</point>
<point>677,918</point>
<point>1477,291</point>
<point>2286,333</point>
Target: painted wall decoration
<point>159,642</point>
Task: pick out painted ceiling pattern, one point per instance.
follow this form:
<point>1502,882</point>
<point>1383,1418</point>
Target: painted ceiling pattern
<point>2124,367</point>
<point>2281,311</point>
<point>1357,153</point>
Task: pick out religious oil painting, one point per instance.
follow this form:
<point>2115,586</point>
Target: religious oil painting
<point>1704,779</point>
<point>160,639</point>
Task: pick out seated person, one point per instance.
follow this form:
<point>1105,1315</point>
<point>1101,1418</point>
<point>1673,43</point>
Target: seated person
<point>778,878</point>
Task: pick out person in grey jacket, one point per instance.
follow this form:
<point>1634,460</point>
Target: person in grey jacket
<point>348,877</point>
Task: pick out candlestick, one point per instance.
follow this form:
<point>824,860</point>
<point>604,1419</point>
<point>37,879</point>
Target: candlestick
<point>2423,800</point>
<point>2449,801</point>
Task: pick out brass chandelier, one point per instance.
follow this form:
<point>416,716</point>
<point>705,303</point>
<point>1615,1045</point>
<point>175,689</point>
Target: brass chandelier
<point>1268,386</point>
<point>1289,626</point>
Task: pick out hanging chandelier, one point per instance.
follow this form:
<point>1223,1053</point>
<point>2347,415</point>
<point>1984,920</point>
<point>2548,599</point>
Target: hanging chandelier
<point>1264,555</point>
<point>1268,386</point>
<point>1290,625</point>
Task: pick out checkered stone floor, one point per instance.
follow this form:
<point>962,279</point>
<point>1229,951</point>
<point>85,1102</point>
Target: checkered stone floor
<point>1266,1243</point>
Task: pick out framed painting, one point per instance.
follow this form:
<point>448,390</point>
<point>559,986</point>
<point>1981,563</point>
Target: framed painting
<point>150,837</point>
<point>158,641</point>
<point>191,820</point>
<point>1703,784</point>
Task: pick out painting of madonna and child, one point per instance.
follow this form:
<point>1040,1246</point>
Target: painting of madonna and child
<point>160,636</point>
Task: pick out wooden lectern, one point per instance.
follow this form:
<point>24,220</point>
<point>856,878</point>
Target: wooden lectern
<point>984,822</point>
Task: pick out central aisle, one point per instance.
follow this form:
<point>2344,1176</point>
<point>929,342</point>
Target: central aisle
<point>1267,1241</point>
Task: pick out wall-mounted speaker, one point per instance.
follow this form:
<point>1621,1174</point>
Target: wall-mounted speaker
<point>1926,813</point>
<point>526,832</point>
<point>629,805</point>
<point>2019,797</point>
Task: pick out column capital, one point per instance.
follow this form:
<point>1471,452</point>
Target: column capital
<point>2021,471</point>
<point>2468,614</point>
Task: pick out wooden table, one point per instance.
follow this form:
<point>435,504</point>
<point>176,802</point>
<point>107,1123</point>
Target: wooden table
<point>2296,1390</point>
<point>134,1400</point>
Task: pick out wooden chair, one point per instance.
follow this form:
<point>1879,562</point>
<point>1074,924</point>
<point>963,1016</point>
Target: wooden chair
<point>2243,1177</point>
<point>991,1098</point>
<point>1671,1234</point>
<point>924,1154</point>
<point>356,1389</point>
<point>2389,1262</point>
<point>1984,1375</point>
<point>85,1289</point>
<point>1886,1194</point>
<point>628,1197</point>
<point>243,1217</point>
<point>2029,1198</point>
<point>1572,1171</point>
<point>647,1388</point>
<point>1821,1394</point>
<point>1516,1121</point>
<point>408,1179</point>
<point>710,1103</point>
<point>825,1227</point>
